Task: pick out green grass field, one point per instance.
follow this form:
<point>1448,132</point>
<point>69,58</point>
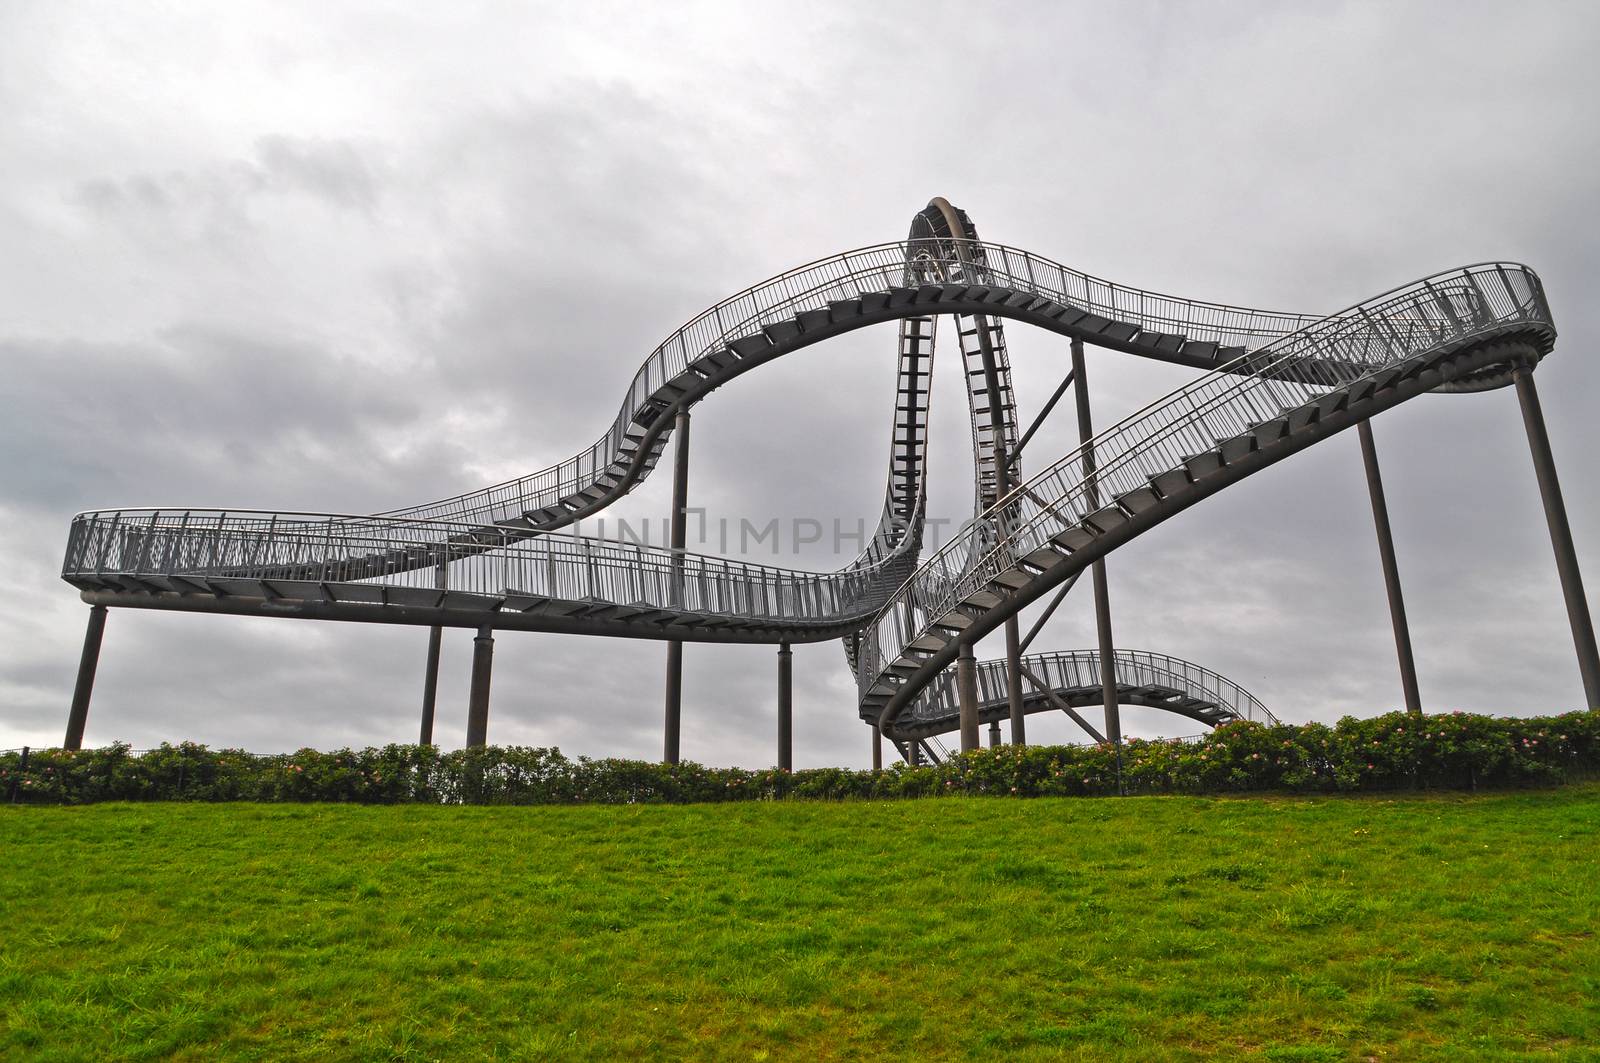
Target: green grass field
<point>1158,928</point>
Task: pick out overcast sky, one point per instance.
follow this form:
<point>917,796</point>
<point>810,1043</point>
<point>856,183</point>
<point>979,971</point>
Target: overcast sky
<point>353,257</point>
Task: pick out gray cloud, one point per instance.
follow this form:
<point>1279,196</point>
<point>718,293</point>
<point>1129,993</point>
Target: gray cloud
<point>277,277</point>
<point>216,202</point>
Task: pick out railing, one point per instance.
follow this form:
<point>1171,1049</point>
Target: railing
<point>847,277</point>
<point>1262,385</point>
<point>1080,669</point>
<point>467,559</point>
<point>409,549</point>
<point>404,548</point>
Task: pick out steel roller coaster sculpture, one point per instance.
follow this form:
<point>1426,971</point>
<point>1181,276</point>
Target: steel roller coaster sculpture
<point>496,559</point>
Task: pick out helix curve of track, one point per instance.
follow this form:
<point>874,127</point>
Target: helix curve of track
<point>1275,383</point>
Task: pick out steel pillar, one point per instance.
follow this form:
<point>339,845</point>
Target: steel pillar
<point>994,733</point>
<point>1555,515</point>
<point>1019,728</point>
<point>785,707</point>
<point>877,748</point>
<point>430,685</point>
<point>1102,595</point>
<point>1004,481</point>
<point>1391,571</point>
<point>430,674</point>
<point>78,715</point>
<point>967,693</point>
<point>680,506</point>
<point>478,702</point>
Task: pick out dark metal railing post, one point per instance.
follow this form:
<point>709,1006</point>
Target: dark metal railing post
<point>1102,594</point>
<point>785,707</point>
<point>1555,515</point>
<point>1391,571</point>
<point>679,527</point>
<point>78,715</point>
<point>478,700</point>
<point>967,693</point>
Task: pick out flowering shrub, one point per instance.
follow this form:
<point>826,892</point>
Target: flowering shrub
<point>1453,751</point>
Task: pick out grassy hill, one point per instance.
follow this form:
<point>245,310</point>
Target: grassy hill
<point>1148,928</point>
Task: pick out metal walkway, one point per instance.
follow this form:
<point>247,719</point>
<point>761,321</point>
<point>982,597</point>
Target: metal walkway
<point>1273,384</point>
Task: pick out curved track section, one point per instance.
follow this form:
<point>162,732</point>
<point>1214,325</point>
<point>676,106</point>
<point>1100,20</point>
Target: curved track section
<point>481,555</point>
<point>1151,680</point>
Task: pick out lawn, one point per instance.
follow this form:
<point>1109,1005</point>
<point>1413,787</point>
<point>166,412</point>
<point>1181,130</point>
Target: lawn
<point>1425,927</point>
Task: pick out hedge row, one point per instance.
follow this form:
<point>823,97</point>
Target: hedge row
<point>1456,751</point>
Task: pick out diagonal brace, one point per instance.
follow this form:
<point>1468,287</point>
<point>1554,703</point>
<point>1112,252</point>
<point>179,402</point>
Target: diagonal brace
<point>1011,459</point>
<point>1059,702</point>
<point>1050,609</point>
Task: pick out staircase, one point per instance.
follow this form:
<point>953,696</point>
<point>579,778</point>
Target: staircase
<point>1464,328</point>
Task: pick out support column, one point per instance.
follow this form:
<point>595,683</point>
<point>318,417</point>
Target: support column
<point>430,674</point>
<point>994,733</point>
<point>430,685</point>
<point>1391,571</point>
<point>1555,515</point>
<point>478,702</point>
<point>1019,728</point>
<point>785,707</point>
<point>1004,481</point>
<point>680,506</point>
<point>967,694</point>
<point>877,748</point>
<point>78,715</point>
<point>1102,595</point>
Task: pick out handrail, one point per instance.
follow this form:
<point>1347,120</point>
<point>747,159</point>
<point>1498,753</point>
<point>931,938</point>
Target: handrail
<point>809,286</point>
<point>1299,359</point>
<point>1300,366</point>
<point>1067,669</point>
